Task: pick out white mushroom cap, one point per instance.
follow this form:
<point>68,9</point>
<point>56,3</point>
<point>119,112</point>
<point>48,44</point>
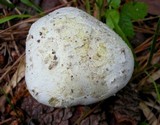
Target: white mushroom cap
<point>74,59</point>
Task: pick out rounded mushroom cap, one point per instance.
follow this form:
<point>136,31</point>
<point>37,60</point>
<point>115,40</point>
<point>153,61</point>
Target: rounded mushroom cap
<point>74,59</point>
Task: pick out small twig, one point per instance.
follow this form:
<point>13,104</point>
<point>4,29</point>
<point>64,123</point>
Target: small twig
<point>29,20</point>
<point>15,46</point>
<point>34,18</point>
<point>12,36</point>
<point>16,9</point>
<point>146,19</point>
<point>143,45</point>
<point>10,68</point>
<point>16,32</point>
<point>154,43</point>
<point>5,121</point>
<point>143,30</point>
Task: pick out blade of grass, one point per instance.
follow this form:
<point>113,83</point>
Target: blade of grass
<point>157,65</point>
<point>144,123</point>
<point>155,85</point>
<point>32,4</point>
<point>8,18</point>
<point>99,5</point>
<point>153,44</point>
<point>88,7</point>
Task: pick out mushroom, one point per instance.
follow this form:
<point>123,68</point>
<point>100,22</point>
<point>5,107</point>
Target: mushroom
<point>74,59</point>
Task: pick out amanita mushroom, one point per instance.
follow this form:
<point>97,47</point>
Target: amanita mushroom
<point>74,59</point>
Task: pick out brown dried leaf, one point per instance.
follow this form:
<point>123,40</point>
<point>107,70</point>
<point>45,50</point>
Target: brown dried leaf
<point>18,75</point>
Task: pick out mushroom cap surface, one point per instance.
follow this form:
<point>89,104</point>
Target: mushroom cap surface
<point>74,59</point>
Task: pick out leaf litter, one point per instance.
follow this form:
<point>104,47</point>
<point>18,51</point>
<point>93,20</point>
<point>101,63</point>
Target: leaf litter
<point>137,103</point>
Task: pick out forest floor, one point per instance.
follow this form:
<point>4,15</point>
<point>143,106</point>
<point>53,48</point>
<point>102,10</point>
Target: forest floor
<point>136,104</point>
